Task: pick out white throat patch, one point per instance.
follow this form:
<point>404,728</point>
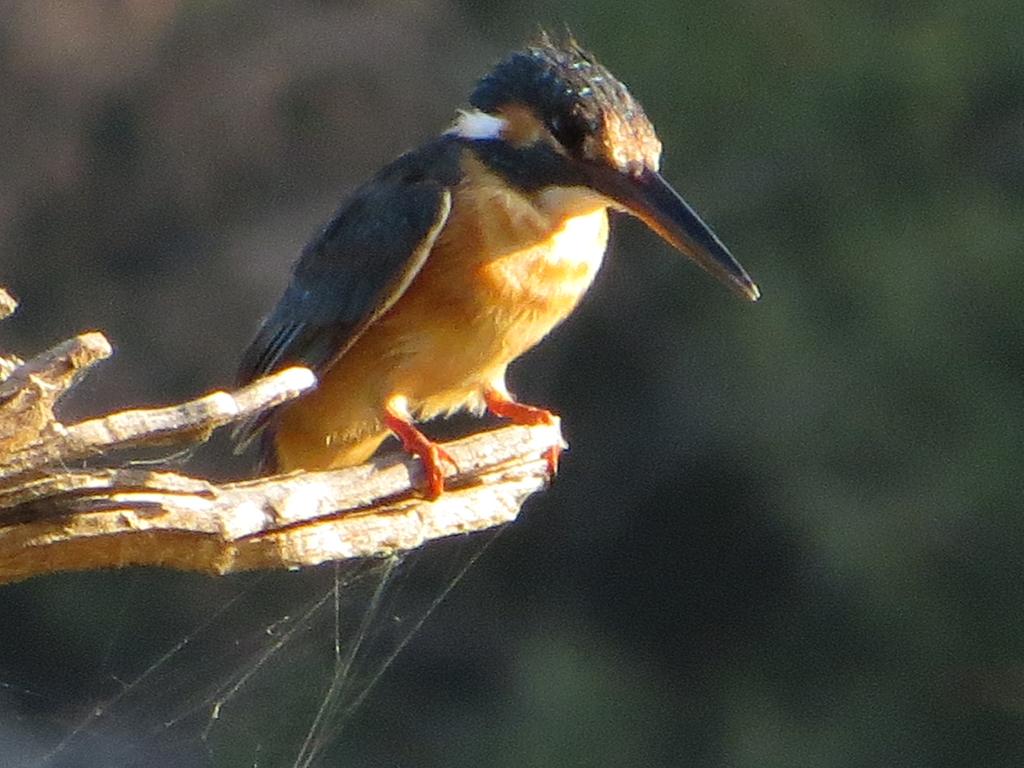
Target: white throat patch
<point>477,125</point>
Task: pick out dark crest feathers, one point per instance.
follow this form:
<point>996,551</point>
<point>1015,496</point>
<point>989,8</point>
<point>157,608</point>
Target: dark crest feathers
<point>563,83</point>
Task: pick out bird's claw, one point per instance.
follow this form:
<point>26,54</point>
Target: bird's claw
<point>431,454</point>
<point>552,455</point>
<point>500,404</point>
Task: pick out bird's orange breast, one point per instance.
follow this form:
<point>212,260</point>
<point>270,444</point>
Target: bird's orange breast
<point>506,269</point>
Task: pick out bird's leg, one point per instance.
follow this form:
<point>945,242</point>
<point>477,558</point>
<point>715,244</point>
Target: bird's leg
<point>398,420</point>
<point>500,403</point>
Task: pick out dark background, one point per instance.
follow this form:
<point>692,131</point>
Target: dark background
<point>786,534</point>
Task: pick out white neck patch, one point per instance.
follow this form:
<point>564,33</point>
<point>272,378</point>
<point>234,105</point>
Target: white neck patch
<point>477,125</point>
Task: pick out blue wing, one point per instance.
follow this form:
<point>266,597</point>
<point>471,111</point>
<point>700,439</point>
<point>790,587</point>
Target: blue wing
<point>347,277</point>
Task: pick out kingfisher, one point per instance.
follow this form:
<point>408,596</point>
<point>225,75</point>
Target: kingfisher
<point>461,255</point>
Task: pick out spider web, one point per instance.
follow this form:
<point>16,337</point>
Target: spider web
<point>260,670</point>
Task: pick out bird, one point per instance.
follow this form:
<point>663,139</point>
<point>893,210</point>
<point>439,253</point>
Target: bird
<point>458,257</point>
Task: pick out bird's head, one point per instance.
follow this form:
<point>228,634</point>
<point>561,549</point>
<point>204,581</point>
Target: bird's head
<point>551,115</point>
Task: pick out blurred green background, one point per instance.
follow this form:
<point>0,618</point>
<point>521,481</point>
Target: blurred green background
<point>786,534</point>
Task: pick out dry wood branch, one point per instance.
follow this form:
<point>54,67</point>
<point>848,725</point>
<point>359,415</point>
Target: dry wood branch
<point>7,304</point>
<point>57,519</point>
<point>121,517</point>
<point>59,368</point>
<point>194,421</point>
<point>28,393</point>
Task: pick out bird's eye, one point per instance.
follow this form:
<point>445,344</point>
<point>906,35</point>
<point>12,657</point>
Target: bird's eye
<point>568,132</point>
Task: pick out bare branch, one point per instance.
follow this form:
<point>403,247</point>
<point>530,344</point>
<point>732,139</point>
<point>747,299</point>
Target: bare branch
<point>57,519</point>
<point>28,393</point>
<point>121,517</point>
<point>7,304</point>
<point>192,421</point>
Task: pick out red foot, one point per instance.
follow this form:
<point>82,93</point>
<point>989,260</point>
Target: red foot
<point>431,454</point>
<point>502,405</point>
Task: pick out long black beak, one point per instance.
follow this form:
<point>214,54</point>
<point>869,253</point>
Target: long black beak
<point>652,200</point>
